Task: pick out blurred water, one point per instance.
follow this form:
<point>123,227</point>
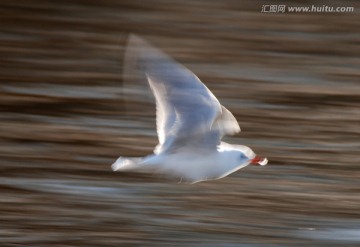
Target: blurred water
<point>291,80</point>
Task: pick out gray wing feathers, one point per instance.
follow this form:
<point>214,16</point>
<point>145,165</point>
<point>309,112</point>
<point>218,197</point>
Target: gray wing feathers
<point>226,123</point>
<point>187,112</point>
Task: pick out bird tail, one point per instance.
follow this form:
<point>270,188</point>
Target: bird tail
<point>127,164</point>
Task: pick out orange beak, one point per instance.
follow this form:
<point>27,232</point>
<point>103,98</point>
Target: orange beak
<point>259,161</point>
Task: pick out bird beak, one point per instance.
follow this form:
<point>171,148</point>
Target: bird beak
<point>259,161</point>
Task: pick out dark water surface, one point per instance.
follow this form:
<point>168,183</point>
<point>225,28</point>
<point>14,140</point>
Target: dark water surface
<point>291,80</point>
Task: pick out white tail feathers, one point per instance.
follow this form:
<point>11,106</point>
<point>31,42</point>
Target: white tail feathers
<point>127,164</point>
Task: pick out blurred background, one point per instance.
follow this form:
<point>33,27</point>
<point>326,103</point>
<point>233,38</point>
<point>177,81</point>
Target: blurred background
<point>291,80</point>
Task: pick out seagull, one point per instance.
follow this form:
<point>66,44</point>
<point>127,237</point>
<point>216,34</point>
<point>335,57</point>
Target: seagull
<point>190,124</point>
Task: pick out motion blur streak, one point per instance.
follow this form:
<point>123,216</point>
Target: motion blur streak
<point>291,80</point>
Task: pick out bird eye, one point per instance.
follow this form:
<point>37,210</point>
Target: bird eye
<point>242,157</point>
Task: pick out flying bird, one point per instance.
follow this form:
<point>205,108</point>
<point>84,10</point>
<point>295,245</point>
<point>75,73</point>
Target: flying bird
<point>190,124</point>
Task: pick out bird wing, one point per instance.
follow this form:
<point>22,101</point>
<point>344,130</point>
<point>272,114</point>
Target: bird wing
<point>187,113</point>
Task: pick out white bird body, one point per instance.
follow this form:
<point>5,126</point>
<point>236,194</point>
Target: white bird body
<point>189,166</point>
<point>190,124</point>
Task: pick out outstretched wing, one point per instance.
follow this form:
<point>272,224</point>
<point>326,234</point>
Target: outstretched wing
<point>187,112</point>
